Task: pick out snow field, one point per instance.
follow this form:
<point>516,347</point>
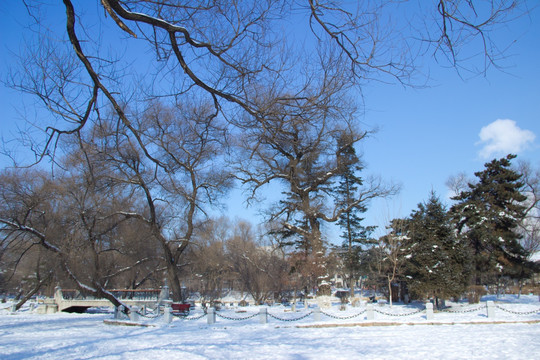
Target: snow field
<point>26,335</point>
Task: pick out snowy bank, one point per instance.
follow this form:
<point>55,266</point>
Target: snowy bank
<point>26,335</point>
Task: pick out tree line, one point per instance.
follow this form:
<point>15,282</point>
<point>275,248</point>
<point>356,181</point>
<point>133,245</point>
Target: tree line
<point>485,239</point>
<point>67,230</point>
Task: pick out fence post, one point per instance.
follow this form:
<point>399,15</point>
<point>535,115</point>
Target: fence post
<point>490,309</point>
<point>429,311</point>
<point>133,315</point>
<point>164,293</point>
<point>167,312</point>
<point>166,303</point>
<point>56,301</point>
<point>52,308</point>
<point>120,312</point>
<point>370,314</point>
<point>317,313</point>
<point>263,315</point>
<point>58,294</point>
<point>211,316</point>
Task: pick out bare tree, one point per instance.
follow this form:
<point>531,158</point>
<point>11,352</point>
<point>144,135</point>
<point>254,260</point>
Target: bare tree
<point>458,183</point>
<point>298,147</point>
<point>227,257</point>
<point>26,271</point>
<point>232,52</point>
<point>463,30</point>
<point>530,225</point>
<point>27,268</point>
<point>373,266</point>
<point>260,269</point>
<point>392,245</point>
<point>209,274</point>
<point>61,217</point>
<point>173,190</point>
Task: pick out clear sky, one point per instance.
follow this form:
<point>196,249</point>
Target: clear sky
<point>425,135</point>
<point>456,125</point>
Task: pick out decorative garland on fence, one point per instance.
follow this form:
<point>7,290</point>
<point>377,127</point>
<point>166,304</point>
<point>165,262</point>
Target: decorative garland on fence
<point>235,318</point>
<point>149,316</point>
<point>518,312</point>
<point>407,314</point>
<point>185,317</point>
<point>463,311</point>
<point>343,317</point>
<point>447,310</point>
<point>191,318</point>
<point>295,319</point>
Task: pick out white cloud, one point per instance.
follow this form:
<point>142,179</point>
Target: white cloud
<point>503,137</point>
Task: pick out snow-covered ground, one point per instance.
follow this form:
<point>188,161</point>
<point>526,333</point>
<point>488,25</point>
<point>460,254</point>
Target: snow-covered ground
<point>464,332</point>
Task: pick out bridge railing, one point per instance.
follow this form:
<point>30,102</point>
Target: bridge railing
<point>139,294</point>
<point>123,294</point>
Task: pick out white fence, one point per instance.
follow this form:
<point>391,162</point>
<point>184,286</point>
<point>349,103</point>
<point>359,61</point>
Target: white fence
<point>489,311</point>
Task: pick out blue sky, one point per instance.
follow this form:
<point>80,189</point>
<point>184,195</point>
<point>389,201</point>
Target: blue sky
<point>425,135</point>
<point>456,125</point>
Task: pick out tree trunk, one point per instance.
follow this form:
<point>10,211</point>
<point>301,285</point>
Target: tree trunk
<point>390,291</point>
<point>173,275</point>
<point>323,279</point>
<point>351,261</point>
<point>32,292</point>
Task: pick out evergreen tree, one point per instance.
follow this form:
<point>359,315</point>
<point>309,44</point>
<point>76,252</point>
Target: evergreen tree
<point>435,260</point>
<point>487,216</point>
<point>355,235</point>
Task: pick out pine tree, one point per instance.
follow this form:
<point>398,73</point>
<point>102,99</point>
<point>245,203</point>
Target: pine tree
<point>436,261</point>
<point>355,235</point>
<point>487,216</point>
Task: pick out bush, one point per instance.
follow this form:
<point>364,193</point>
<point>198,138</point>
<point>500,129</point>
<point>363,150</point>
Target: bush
<point>526,289</point>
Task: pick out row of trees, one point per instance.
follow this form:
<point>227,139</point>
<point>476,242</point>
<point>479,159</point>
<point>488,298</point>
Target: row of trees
<point>151,144</point>
<point>108,209</point>
<point>62,231</point>
<point>485,239</point>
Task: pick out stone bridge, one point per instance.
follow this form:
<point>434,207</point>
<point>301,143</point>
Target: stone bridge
<point>73,301</point>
